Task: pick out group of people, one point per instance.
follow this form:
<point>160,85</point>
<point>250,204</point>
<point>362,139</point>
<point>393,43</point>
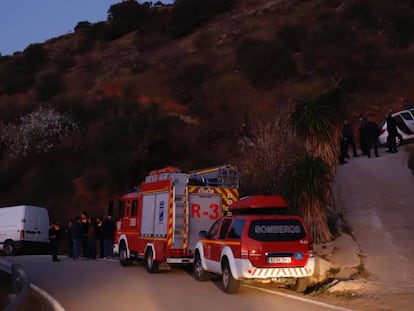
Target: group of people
<point>87,236</point>
<point>369,132</point>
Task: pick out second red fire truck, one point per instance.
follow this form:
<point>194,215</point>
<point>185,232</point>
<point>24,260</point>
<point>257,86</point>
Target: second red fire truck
<point>159,222</point>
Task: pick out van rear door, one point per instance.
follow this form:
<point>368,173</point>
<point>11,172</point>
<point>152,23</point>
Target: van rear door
<point>36,224</point>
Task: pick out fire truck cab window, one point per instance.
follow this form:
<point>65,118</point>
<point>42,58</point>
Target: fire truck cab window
<point>224,228</point>
<point>121,209</point>
<point>134,208</point>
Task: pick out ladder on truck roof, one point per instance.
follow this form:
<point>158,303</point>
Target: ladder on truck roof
<point>217,176</point>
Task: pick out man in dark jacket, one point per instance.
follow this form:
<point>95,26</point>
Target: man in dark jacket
<point>108,232</point>
<point>84,222</point>
<point>362,134</point>
<point>75,234</point>
<point>372,132</point>
<point>348,135</point>
<point>99,233</point>
<point>392,133</point>
<point>55,235</point>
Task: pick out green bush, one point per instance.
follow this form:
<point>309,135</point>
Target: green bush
<point>188,15</point>
<point>35,56</point>
<point>362,12</point>
<point>330,32</point>
<point>82,26</point>
<point>193,75</point>
<point>17,75</point>
<point>64,62</point>
<point>15,83</point>
<point>48,85</point>
<point>91,33</point>
<point>85,45</point>
<point>51,177</point>
<point>128,16</point>
<point>265,62</point>
<point>403,28</point>
<point>10,178</point>
<point>294,36</point>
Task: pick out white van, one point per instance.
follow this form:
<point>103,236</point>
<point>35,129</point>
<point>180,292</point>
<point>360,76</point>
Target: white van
<point>23,227</point>
<point>405,127</point>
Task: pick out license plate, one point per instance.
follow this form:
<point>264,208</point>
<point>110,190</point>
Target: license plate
<point>279,260</point>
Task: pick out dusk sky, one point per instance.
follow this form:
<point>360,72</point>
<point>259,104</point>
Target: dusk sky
<point>23,22</point>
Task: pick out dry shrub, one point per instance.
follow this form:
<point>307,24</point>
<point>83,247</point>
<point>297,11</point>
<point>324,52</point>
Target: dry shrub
<point>267,149</point>
<point>149,42</point>
<point>203,40</point>
<point>226,94</point>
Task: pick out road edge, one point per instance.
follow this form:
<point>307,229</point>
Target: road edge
<point>318,303</point>
<point>54,304</point>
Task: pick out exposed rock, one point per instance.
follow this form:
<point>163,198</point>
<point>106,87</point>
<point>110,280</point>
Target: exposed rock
<point>348,286</point>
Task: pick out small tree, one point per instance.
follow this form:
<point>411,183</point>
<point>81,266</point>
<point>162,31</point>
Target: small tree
<point>48,85</point>
<point>38,131</point>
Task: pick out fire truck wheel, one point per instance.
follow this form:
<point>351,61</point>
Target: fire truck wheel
<point>230,284</point>
<point>300,285</point>
<point>123,256</point>
<point>150,263</point>
<point>199,273</point>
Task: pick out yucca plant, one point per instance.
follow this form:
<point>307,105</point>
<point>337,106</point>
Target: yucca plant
<point>318,121</point>
<point>304,186</point>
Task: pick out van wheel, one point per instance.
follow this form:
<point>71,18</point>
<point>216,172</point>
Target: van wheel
<point>123,256</point>
<point>230,284</point>
<point>300,285</point>
<point>150,263</point>
<point>199,273</point>
<point>9,249</point>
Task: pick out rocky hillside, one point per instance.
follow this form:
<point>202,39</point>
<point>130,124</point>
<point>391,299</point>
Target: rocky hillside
<point>86,115</point>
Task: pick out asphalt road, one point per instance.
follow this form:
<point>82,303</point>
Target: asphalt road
<point>105,285</point>
<point>377,196</point>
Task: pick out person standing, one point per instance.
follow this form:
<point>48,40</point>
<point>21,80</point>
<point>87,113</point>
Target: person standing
<point>99,233</point>
<point>69,239</point>
<point>75,234</point>
<point>92,238</point>
<point>372,133</point>
<point>84,233</point>
<point>343,149</point>
<point>55,235</point>
<point>348,135</point>
<point>108,232</point>
<point>392,133</point>
<point>362,134</point>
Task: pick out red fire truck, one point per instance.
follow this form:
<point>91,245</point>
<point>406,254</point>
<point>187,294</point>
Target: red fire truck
<point>159,222</point>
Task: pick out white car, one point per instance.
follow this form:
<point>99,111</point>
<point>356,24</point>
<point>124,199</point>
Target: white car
<point>405,127</point>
